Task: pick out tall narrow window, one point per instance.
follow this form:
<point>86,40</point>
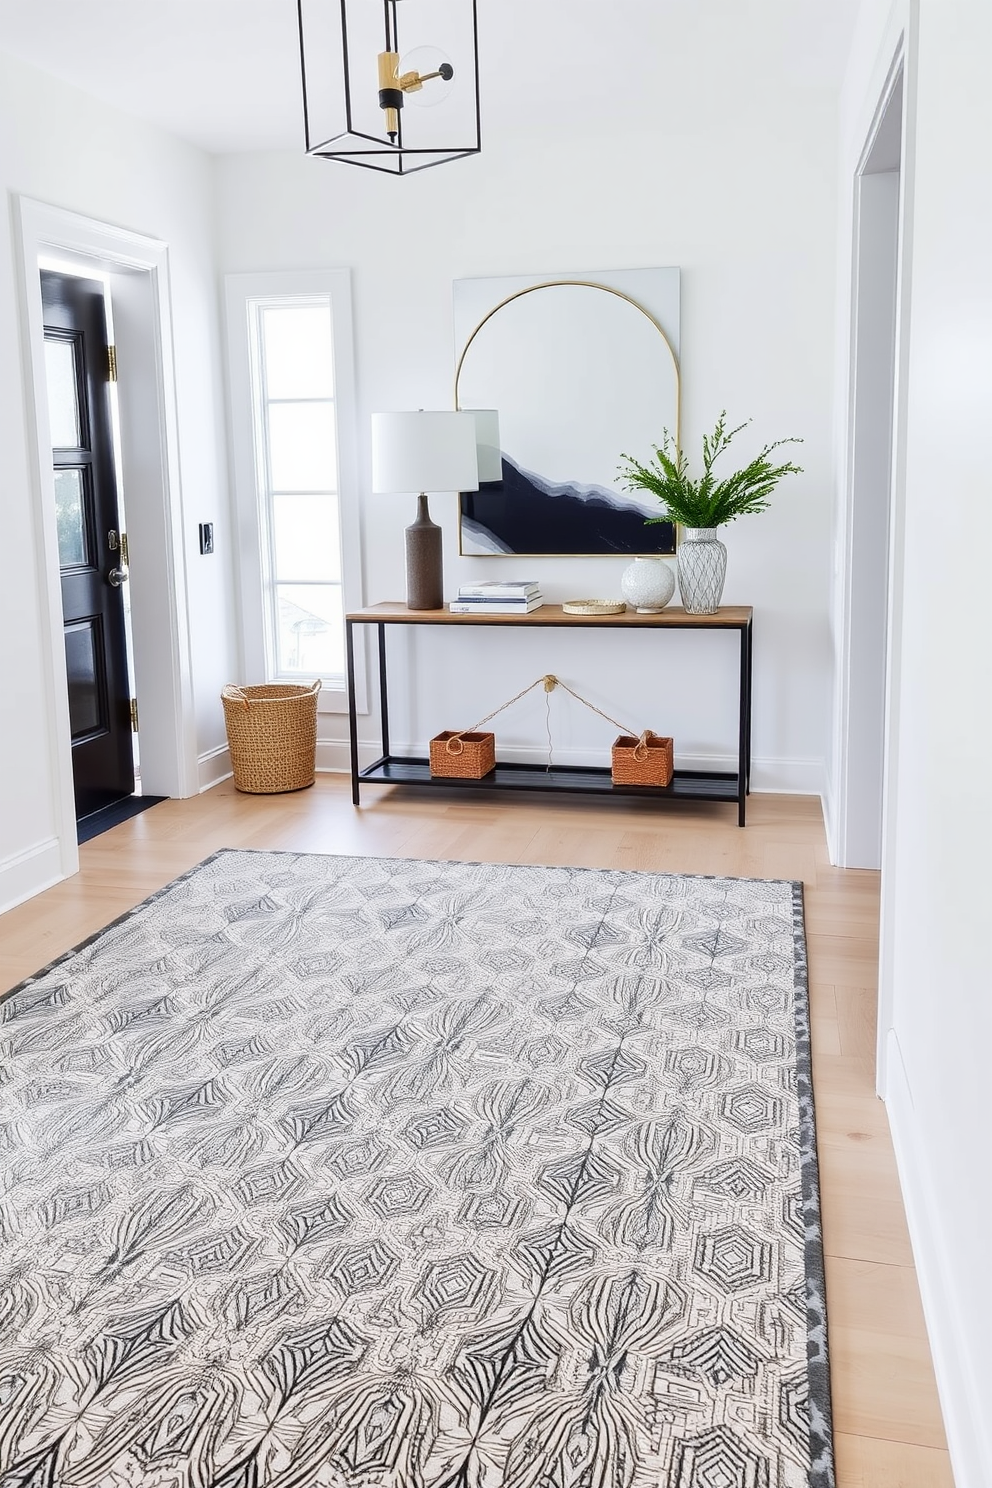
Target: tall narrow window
<point>298,484</point>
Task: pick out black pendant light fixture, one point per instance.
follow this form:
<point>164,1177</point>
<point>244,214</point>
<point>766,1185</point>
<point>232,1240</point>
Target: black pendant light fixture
<point>392,85</point>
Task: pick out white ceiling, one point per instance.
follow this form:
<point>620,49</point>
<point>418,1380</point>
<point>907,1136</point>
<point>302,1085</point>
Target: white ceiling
<point>224,74</point>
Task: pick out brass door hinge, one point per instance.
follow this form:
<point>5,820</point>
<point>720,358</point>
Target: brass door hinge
<point>134,715</point>
<point>111,363</point>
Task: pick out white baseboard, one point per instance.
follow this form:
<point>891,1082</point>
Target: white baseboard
<point>965,1406</point>
<point>780,777</point>
<point>792,777</point>
<point>213,767</point>
<point>334,755</point>
<point>24,874</point>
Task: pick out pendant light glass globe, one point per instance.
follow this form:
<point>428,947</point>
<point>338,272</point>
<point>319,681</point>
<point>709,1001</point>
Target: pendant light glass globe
<point>426,60</point>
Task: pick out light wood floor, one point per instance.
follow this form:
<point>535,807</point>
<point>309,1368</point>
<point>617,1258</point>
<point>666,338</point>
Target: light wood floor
<point>886,1415</point>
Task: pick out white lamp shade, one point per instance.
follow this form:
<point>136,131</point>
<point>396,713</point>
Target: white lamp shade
<point>431,451</point>
<point>487,442</point>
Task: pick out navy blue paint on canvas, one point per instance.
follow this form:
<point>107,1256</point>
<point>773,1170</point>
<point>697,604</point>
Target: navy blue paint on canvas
<point>525,513</point>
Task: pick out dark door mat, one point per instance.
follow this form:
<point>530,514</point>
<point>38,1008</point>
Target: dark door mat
<point>113,815</point>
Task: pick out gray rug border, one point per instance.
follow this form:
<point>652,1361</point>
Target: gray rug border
<point>822,1471</point>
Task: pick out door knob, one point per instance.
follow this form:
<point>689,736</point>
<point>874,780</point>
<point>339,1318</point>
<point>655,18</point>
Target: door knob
<point>117,577</point>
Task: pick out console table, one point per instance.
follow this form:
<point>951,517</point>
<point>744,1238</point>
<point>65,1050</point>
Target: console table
<point>686,785</point>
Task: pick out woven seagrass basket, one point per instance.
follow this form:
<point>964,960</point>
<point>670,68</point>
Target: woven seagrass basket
<point>648,760</point>
<point>272,736</point>
<point>466,756</point>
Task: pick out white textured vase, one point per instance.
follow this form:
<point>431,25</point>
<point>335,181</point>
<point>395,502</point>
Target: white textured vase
<point>702,570</point>
<point>648,584</point>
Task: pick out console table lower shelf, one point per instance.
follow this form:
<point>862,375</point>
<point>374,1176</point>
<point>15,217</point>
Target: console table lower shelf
<point>686,785</point>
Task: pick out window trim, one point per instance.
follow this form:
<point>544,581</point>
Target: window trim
<point>249,537</point>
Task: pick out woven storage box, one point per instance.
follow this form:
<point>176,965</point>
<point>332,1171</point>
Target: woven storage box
<point>463,756</point>
<point>648,760</point>
<point>272,736</point>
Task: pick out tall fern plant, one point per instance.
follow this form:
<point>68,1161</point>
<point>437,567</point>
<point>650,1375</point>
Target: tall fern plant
<point>707,502</point>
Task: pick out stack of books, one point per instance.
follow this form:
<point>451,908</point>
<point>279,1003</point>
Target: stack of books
<point>498,597</point>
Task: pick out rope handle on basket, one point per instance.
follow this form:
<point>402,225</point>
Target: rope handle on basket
<point>235,694</point>
<point>641,747</point>
<point>549,683</point>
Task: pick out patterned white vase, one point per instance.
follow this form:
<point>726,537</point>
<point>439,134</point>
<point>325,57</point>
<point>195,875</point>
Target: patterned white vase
<point>648,584</point>
<point>702,570</point>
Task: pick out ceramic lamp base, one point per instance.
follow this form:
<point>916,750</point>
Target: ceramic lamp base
<point>424,569</point>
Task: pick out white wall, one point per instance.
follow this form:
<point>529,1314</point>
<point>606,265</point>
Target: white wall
<point>938,876</point>
<point>63,148</point>
<point>935,1006</point>
<point>727,170</point>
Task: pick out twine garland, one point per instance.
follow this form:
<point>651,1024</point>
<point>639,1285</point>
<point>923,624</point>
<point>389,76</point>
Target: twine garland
<point>549,682</point>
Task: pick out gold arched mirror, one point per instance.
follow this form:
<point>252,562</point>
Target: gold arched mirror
<point>579,374</point>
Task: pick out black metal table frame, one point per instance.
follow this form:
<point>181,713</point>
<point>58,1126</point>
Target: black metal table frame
<point>698,785</point>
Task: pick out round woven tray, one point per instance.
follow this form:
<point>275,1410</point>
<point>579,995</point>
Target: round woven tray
<point>594,606</point>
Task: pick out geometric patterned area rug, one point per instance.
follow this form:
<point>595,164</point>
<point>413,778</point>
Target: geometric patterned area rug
<point>375,1173</point>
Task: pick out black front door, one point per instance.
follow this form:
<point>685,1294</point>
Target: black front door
<point>92,550</point>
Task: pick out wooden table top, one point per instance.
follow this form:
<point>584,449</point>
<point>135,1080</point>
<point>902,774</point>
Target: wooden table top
<point>673,617</point>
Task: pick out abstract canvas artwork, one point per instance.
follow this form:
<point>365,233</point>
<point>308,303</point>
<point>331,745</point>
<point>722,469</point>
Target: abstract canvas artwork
<point>526,514</point>
<point>354,1171</point>
<point>580,371</point>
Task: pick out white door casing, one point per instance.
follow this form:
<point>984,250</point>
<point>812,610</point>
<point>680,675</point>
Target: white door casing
<point>867,528</point>
<point>138,268</point>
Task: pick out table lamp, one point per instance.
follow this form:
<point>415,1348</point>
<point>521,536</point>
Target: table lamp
<point>424,452</point>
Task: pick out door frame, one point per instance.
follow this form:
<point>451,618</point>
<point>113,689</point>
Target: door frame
<point>894,59</point>
<point>855,777</point>
<point>141,303</point>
